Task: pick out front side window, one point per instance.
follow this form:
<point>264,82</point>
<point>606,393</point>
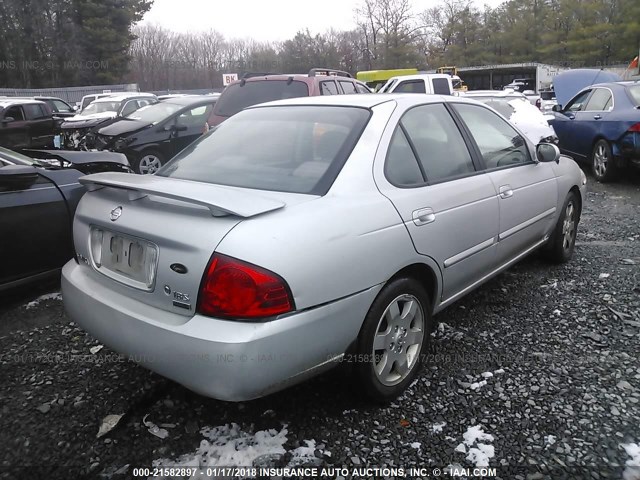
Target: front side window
<point>411,86</point>
<point>578,103</point>
<point>347,87</point>
<point>195,116</point>
<point>600,100</point>
<point>15,112</point>
<point>499,143</point>
<point>328,87</point>
<point>299,149</point>
<point>60,106</point>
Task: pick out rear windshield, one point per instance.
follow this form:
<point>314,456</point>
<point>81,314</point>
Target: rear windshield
<point>298,149</point>
<point>634,91</point>
<point>501,105</point>
<point>101,107</point>
<point>237,97</point>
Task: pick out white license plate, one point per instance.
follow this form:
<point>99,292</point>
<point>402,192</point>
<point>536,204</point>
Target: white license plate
<point>127,259</point>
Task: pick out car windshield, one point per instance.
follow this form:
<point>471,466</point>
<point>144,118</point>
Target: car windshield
<point>154,113</point>
<point>15,157</point>
<point>634,91</point>
<point>101,107</point>
<point>299,149</point>
<point>237,96</point>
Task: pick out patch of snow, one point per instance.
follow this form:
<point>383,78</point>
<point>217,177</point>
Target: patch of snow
<point>479,453</point>
<point>437,427</point>
<point>42,298</point>
<point>477,385</point>
<point>480,456</point>
<point>230,446</point>
<point>632,472</point>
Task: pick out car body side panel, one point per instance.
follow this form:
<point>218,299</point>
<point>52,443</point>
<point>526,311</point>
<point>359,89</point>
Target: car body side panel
<point>36,228</point>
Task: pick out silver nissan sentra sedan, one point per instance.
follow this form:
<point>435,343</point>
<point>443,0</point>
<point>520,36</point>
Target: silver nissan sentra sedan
<point>310,231</point>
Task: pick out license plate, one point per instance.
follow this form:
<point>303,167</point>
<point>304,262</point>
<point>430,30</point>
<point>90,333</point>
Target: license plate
<point>127,259</point>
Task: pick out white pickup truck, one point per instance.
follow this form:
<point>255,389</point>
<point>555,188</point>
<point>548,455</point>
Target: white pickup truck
<point>433,83</point>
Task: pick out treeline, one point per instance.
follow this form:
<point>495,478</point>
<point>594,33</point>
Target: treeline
<point>391,34</point>
<point>71,42</point>
<point>66,42</point>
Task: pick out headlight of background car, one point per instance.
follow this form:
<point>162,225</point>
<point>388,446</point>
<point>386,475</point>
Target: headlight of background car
<point>122,143</point>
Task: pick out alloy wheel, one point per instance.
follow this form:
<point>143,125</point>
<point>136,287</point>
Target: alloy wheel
<point>568,227</point>
<point>149,164</point>
<point>398,340</point>
<point>600,160</point>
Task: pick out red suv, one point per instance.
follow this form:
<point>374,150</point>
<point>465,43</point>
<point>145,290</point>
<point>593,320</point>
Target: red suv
<point>254,89</point>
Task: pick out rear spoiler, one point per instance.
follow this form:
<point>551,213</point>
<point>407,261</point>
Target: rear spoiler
<point>220,200</point>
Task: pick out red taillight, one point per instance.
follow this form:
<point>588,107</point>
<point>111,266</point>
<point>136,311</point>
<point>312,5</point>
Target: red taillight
<point>635,128</point>
<point>235,289</point>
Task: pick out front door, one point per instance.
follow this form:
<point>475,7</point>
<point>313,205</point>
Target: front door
<point>527,190</point>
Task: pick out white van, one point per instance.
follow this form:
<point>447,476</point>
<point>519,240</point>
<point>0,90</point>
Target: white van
<point>433,83</point>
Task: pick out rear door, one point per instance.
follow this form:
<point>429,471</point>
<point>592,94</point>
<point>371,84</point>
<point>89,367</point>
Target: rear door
<point>527,190</point>
<point>448,205</point>
<point>36,229</point>
<point>14,129</point>
<point>41,124</point>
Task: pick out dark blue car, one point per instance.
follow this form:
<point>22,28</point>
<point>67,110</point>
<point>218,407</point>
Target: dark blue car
<point>601,125</point>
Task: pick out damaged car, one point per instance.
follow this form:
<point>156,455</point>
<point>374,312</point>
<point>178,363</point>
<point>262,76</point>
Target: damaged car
<point>39,192</point>
<point>77,131</point>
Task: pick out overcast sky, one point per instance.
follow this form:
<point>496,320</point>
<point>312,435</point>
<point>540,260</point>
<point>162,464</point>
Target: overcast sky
<point>260,19</point>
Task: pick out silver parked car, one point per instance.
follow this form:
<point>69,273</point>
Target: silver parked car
<point>307,231</point>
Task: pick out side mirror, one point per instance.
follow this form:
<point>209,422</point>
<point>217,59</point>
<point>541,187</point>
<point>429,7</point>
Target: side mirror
<point>556,108</point>
<point>179,128</point>
<point>17,177</point>
<point>547,152</point>
<point>74,108</point>
<point>8,120</point>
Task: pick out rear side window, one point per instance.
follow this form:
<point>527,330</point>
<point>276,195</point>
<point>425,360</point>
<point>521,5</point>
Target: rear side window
<point>411,86</point>
<point>441,149</point>
<point>634,93</point>
<point>298,149</point>
<point>328,87</point>
<point>441,86</point>
<point>362,88</point>
<point>600,100</point>
<point>236,97</point>
<point>35,111</point>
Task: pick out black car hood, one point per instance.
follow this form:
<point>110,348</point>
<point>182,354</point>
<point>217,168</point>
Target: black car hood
<point>88,123</point>
<point>77,157</point>
<point>123,127</point>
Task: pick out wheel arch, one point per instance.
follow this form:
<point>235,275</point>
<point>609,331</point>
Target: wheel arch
<point>424,274</point>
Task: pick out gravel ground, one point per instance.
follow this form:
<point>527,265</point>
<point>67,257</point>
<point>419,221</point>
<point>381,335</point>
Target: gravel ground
<point>542,361</point>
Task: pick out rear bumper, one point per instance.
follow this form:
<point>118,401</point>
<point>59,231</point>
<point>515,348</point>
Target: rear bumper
<point>627,149</point>
<point>223,359</point>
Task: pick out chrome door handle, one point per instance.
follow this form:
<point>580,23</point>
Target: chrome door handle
<point>423,216</point>
<point>505,191</point>
<point>597,117</point>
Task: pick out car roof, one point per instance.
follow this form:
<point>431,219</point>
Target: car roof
<point>5,102</point>
<point>494,93</point>
<point>123,96</point>
<point>191,99</point>
<point>420,76</point>
<point>366,100</point>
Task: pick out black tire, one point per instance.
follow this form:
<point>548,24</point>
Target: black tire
<point>381,386</point>
<point>563,240</point>
<point>602,163</point>
<point>144,165</point>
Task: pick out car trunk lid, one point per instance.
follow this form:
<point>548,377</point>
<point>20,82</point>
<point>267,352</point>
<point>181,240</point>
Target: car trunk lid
<point>151,237</point>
